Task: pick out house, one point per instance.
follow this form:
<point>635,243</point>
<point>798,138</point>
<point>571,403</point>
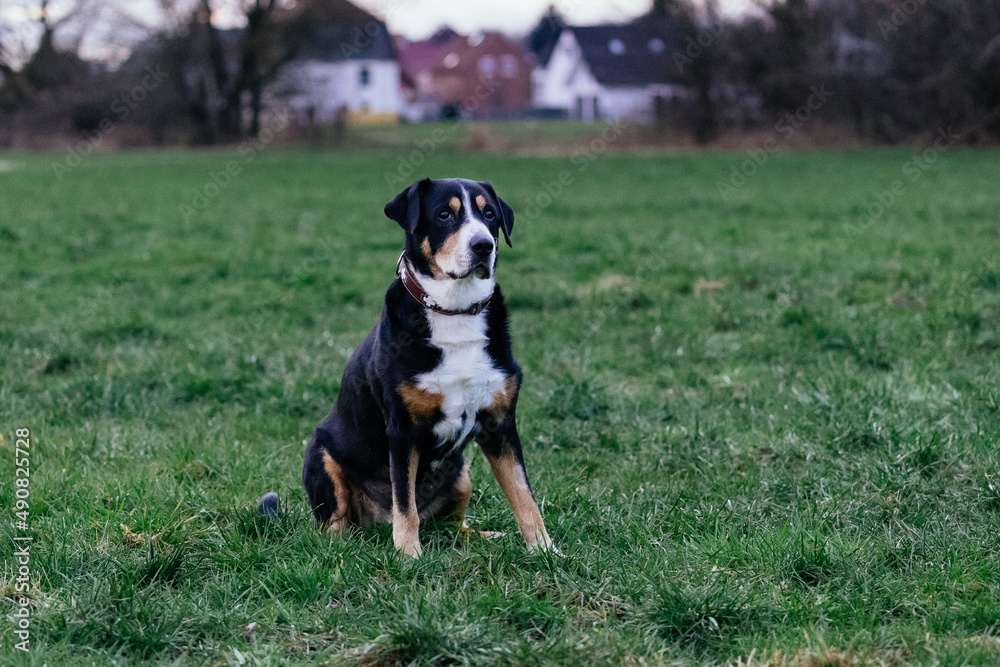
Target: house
<point>343,63</point>
<point>483,75</point>
<point>612,72</point>
<point>857,56</point>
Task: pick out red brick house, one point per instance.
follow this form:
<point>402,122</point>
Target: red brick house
<point>484,75</point>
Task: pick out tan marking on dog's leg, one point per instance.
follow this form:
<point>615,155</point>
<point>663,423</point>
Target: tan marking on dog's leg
<point>366,511</point>
<point>481,202</point>
<point>514,483</point>
<point>455,204</point>
<point>406,522</point>
<point>504,398</point>
<point>463,492</point>
<point>420,403</point>
<point>339,519</point>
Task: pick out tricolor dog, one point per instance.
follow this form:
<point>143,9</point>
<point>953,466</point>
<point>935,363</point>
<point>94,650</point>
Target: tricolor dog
<point>434,374</point>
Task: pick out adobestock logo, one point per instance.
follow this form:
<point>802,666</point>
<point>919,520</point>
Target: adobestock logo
<point>784,130</point>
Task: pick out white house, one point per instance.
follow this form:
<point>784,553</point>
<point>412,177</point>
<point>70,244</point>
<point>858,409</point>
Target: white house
<point>611,72</point>
<point>315,90</point>
<point>344,58</point>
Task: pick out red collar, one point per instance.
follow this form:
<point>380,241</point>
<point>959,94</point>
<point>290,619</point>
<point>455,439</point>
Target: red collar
<point>420,295</point>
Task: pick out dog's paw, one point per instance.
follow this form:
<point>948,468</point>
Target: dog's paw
<point>546,548</point>
<point>543,543</point>
<point>466,532</point>
<point>407,544</point>
<point>406,534</point>
<point>412,549</point>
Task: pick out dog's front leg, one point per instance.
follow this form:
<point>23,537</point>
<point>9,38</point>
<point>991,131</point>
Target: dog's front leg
<point>502,447</point>
<point>405,520</point>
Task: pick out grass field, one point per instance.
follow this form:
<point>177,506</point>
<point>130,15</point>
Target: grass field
<point>750,430</point>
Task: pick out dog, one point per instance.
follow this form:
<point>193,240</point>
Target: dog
<point>434,374</point>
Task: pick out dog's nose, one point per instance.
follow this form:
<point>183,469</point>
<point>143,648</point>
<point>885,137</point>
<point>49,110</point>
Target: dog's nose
<point>482,246</point>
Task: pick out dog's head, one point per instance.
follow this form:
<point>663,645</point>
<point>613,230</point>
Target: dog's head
<point>452,227</point>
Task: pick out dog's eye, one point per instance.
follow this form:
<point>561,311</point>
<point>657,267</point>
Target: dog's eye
<point>489,214</point>
<point>444,214</point>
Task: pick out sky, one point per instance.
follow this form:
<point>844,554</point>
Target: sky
<point>417,19</point>
<point>414,19</point>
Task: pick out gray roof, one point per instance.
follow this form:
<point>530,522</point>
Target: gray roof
<point>335,30</point>
<point>633,54</point>
<point>342,41</point>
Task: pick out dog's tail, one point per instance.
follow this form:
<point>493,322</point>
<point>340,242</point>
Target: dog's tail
<point>269,506</point>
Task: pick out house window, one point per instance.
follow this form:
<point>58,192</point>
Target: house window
<point>365,77</point>
<point>487,65</point>
<point>508,66</point>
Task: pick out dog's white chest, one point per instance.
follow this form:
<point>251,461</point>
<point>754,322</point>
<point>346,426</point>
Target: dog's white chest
<point>465,378</point>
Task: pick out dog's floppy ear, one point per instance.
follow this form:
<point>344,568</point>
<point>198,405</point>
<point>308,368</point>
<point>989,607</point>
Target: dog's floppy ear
<point>506,213</point>
<point>405,208</point>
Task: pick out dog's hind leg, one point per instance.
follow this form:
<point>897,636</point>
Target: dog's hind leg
<point>461,492</point>
<point>459,497</point>
<point>328,489</point>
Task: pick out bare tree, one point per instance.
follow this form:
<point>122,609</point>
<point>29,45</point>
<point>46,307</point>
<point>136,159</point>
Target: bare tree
<point>242,72</point>
<point>700,72</point>
<point>6,57</point>
<point>42,73</point>
<point>217,74</point>
<point>46,68</point>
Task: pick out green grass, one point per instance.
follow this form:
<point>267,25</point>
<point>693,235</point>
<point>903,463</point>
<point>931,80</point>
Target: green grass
<point>518,136</point>
<point>748,430</point>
